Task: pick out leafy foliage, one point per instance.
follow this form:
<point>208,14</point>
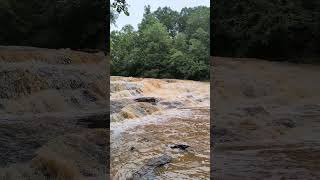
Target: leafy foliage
<point>120,6</point>
<point>167,44</point>
<point>272,29</point>
<point>53,24</point>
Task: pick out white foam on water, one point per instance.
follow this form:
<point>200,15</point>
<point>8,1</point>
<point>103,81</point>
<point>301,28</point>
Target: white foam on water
<point>117,128</point>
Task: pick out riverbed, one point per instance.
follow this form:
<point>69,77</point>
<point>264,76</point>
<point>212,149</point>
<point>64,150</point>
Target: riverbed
<point>159,129</point>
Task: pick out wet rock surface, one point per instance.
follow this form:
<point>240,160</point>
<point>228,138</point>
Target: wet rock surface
<point>146,99</point>
<point>148,171</point>
<point>179,146</point>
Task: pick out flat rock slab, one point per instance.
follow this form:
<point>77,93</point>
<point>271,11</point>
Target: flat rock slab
<point>148,170</point>
<point>146,99</point>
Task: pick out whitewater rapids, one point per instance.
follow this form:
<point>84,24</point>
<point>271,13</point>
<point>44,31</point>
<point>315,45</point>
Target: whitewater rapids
<point>142,130</point>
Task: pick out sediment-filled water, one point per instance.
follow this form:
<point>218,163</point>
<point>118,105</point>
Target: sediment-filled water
<point>152,121</point>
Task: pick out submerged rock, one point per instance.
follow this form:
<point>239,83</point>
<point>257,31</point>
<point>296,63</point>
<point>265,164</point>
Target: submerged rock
<point>148,170</point>
<point>171,104</point>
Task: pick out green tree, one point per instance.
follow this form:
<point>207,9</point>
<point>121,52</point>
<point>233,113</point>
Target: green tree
<point>160,49</point>
<point>278,30</point>
<point>122,44</point>
<point>197,17</point>
<point>155,43</point>
<point>53,24</point>
<point>169,18</point>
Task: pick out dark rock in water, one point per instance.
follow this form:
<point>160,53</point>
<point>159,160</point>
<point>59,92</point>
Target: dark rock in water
<point>159,161</point>
<point>146,99</point>
<point>148,170</point>
<point>179,146</point>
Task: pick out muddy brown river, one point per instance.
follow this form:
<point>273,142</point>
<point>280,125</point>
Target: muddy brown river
<point>159,129</point>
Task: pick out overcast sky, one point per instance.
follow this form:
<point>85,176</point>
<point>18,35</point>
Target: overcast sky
<point>136,9</point>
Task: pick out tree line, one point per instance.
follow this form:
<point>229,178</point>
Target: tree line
<point>167,44</point>
<point>269,29</point>
<point>282,30</point>
<point>54,23</point>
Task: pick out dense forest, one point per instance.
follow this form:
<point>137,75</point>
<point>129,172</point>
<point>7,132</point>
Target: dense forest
<point>287,30</point>
<point>167,44</point>
<point>54,23</point>
<point>269,29</point>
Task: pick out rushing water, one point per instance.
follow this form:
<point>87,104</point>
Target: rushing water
<point>145,130</point>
